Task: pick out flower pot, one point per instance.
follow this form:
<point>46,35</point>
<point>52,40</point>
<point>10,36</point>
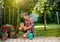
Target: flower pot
<point>12,33</point>
<point>4,38</point>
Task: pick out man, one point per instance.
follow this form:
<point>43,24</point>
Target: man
<point>29,25</point>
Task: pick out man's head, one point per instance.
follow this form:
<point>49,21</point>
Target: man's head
<point>26,17</point>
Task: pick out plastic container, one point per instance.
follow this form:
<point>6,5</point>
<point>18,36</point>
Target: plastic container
<point>30,36</point>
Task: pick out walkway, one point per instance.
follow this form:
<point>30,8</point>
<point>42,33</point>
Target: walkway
<point>36,39</point>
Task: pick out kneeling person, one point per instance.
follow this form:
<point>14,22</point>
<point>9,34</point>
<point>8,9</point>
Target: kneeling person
<point>29,25</point>
<point>23,29</point>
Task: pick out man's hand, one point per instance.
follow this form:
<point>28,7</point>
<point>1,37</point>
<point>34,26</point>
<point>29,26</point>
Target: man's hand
<point>25,28</point>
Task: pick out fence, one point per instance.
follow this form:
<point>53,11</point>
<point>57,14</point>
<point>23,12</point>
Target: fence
<point>11,16</point>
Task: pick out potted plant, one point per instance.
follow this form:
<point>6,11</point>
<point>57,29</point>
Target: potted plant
<point>7,29</point>
<point>11,29</point>
<point>12,32</point>
<point>4,36</point>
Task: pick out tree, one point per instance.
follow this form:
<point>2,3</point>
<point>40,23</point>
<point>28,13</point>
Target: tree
<point>40,7</point>
<point>27,5</point>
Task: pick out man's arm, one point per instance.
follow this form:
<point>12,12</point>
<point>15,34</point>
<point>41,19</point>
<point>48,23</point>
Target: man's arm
<point>32,24</point>
<point>27,28</point>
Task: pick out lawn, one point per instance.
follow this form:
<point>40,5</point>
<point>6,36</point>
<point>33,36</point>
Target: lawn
<point>51,30</point>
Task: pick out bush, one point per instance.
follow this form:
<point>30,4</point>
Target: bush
<point>50,17</point>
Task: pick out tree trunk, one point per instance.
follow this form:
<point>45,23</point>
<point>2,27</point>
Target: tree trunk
<point>45,21</point>
<point>57,17</point>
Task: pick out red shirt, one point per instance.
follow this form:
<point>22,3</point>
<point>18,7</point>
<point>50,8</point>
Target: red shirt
<point>30,22</point>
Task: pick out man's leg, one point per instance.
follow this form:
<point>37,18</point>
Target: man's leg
<point>26,34</point>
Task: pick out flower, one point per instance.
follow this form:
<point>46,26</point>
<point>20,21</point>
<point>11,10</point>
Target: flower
<point>14,26</point>
<point>6,28</point>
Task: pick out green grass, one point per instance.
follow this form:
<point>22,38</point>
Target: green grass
<point>48,32</point>
<point>52,30</point>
